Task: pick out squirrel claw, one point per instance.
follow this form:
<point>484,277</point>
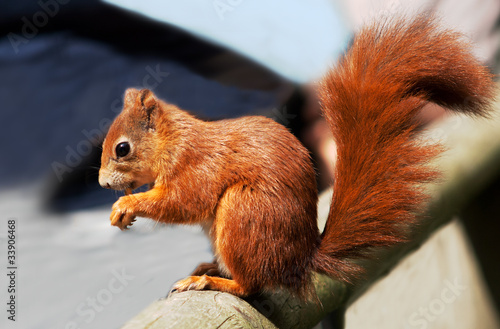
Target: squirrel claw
<point>171,292</point>
<point>127,227</point>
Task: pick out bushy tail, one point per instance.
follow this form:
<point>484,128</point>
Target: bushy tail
<point>370,100</point>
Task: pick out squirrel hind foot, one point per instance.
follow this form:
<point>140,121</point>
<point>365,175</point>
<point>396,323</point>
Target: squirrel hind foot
<point>206,282</point>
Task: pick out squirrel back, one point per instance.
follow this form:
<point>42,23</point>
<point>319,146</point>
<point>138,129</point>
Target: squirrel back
<point>371,100</point>
<point>251,183</point>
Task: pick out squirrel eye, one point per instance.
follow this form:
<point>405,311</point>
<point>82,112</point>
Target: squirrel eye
<point>122,149</point>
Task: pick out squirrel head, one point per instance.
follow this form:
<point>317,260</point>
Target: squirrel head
<point>129,147</point>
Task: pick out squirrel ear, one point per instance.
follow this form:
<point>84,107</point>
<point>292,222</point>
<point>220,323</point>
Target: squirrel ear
<point>147,98</point>
<point>147,104</point>
<point>130,97</point>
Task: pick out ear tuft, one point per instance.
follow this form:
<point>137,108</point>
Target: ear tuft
<point>146,102</point>
<point>147,98</point>
<point>130,97</point>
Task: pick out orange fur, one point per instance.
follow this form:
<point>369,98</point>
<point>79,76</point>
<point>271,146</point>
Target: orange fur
<point>251,183</point>
<point>370,101</point>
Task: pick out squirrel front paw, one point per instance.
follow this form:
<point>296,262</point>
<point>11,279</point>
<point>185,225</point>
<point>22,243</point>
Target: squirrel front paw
<point>122,214</point>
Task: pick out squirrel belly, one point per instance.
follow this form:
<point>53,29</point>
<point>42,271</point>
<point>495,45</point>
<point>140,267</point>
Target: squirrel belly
<point>253,183</point>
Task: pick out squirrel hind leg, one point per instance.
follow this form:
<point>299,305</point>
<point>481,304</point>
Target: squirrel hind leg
<point>210,269</point>
<point>206,282</point>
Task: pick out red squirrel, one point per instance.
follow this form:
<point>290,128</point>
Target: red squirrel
<point>251,184</point>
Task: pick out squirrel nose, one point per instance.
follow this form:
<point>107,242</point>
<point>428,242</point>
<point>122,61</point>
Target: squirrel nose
<point>103,181</point>
<point>104,184</point>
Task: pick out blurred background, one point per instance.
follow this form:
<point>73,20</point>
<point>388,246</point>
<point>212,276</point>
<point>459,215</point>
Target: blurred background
<point>64,66</point>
